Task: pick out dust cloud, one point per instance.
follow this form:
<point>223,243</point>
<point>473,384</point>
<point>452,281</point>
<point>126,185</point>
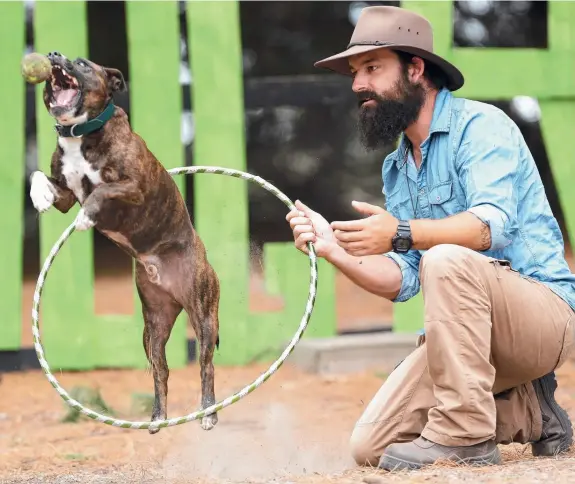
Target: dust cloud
<point>272,444</point>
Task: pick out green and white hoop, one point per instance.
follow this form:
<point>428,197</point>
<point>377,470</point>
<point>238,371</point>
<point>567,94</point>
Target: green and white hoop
<point>218,405</point>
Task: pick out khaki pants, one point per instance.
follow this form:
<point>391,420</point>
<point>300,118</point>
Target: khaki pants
<point>489,333</point>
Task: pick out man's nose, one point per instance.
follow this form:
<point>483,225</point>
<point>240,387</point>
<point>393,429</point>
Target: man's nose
<point>359,84</point>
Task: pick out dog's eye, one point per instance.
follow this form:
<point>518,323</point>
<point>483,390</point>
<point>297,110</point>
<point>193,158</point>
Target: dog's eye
<point>81,63</point>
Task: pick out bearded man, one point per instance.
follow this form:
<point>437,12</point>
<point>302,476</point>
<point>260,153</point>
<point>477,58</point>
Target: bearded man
<point>467,221</point>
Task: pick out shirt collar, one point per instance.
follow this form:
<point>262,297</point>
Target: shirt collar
<point>440,123</point>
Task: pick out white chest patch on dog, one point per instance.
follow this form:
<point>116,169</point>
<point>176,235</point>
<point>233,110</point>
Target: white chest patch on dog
<point>75,167</point>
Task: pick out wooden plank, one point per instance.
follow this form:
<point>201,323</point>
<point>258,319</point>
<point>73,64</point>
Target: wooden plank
<point>221,203</point>
<point>67,311</point>
<point>221,210</point>
<point>12,172</point>
<point>155,112</point>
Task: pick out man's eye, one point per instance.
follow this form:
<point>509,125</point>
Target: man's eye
<point>371,68</point>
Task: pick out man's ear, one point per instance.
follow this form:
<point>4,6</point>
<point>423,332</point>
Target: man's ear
<point>417,68</point>
<point>116,80</point>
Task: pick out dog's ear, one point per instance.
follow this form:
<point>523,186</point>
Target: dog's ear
<point>116,80</point>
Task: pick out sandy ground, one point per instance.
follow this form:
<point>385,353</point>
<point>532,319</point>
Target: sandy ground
<point>295,428</point>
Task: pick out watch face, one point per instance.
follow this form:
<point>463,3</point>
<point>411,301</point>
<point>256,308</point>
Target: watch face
<point>402,244</point>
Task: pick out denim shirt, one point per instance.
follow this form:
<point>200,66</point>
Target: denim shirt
<point>475,159</point>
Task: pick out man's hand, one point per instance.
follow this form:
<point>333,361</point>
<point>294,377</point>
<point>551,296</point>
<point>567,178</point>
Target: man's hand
<point>377,274</point>
<point>310,226</point>
<point>368,236</point>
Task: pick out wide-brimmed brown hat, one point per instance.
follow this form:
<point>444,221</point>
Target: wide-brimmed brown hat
<point>395,28</point>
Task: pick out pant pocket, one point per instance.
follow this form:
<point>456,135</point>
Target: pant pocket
<point>505,265</point>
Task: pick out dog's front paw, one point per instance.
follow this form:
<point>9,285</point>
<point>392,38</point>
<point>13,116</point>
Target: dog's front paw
<point>83,221</point>
<point>209,421</point>
<point>41,192</point>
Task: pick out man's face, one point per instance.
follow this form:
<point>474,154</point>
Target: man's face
<point>390,97</point>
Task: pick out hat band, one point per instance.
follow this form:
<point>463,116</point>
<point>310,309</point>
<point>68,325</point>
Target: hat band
<point>369,42</point>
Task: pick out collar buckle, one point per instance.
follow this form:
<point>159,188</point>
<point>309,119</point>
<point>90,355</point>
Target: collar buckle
<point>66,131</point>
<point>72,131</point>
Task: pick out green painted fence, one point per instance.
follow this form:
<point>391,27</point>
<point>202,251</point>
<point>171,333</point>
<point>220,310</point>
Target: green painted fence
<point>76,338</point>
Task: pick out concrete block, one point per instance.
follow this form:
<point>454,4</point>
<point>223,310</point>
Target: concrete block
<point>352,353</point>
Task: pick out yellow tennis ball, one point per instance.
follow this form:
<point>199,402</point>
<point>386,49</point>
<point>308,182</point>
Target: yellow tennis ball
<point>36,68</point>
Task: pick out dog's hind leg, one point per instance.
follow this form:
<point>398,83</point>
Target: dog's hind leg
<point>203,313</point>
<point>160,312</point>
<point>208,344</point>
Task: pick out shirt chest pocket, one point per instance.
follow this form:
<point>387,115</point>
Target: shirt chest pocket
<point>399,204</point>
<point>443,200</point>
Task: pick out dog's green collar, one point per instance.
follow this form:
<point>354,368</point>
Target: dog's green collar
<point>78,130</point>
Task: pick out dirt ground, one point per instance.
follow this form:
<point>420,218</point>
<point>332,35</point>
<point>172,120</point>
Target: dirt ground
<point>295,429</point>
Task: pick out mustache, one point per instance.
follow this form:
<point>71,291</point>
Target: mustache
<point>364,96</point>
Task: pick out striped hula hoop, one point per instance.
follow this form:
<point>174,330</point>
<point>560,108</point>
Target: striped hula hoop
<point>217,406</point>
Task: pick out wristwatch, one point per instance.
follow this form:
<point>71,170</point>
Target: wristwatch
<point>402,240</point>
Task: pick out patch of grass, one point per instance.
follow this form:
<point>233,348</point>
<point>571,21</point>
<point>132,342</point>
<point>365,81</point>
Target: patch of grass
<point>76,457</point>
<point>90,398</point>
<point>142,403</point>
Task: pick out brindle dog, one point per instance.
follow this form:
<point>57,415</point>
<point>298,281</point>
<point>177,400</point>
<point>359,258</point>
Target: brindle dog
<point>127,195</point>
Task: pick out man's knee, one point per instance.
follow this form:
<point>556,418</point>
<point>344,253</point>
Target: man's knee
<point>445,255</point>
<point>443,261</point>
<point>363,447</point>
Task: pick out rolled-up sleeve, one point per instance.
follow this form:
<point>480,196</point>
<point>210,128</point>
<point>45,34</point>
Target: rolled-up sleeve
<point>488,161</point>
<point>409,265</point>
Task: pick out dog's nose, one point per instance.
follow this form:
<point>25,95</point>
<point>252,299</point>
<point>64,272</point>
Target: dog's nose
<point>53,55</point>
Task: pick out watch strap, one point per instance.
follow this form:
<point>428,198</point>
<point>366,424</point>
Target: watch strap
<point>402,227</point>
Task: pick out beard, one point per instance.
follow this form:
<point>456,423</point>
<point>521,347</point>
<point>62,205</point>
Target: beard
<point>393,113</point>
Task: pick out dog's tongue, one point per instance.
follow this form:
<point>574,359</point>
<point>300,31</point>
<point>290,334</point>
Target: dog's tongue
<point>65,96</point>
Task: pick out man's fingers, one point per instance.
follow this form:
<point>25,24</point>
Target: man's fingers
<point>302,229</point>
<point>291,214</point>
<point>302,239</point>
<point>348,226</point>
<point>367,208</point>
<point>349,236</point>
<point>303,207</point>
<point>351,246</point>
<point>356,249</point>
<point>299,221</point>
<point>294,213</point>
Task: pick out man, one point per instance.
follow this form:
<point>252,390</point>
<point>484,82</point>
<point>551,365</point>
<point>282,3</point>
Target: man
<point>468,222</point>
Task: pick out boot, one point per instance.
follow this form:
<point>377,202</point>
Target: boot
<point>557,432</point>
<point>422,452</point>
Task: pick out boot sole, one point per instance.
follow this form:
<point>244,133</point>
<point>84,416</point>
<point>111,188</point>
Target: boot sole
<point>549,449</point>
<point>390,463</point>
